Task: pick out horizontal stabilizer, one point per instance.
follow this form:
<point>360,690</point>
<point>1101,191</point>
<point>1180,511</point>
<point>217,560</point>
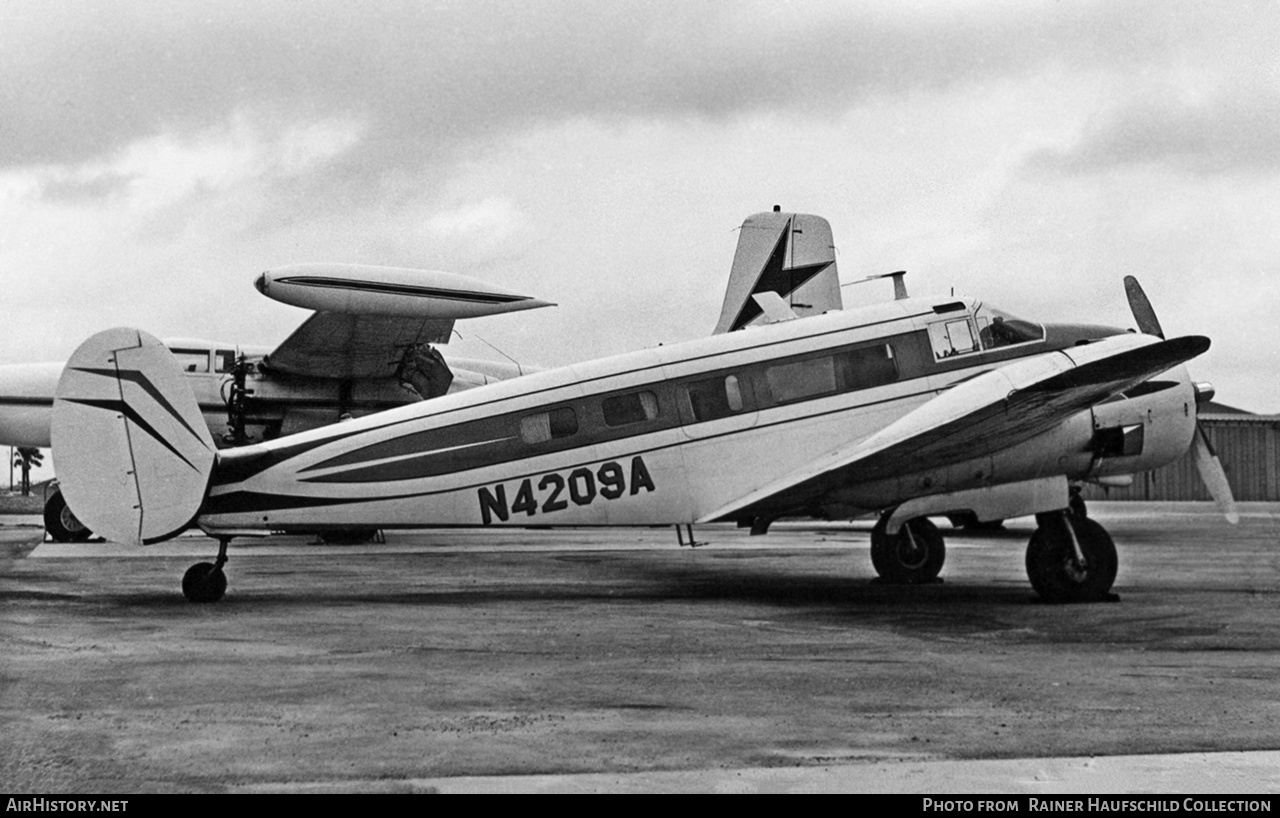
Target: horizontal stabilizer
<point>131,449</point>
<point>993,411</point>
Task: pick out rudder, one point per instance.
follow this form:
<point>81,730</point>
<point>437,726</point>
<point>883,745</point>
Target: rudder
<point>130,447</point>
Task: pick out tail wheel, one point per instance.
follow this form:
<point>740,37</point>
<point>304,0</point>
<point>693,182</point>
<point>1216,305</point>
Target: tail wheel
<point>1071,559</point>
<point>61,523</point>
<point>912,556</point>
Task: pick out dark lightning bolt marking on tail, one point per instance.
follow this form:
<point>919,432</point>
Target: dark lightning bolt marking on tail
<point>129,412</point>
<point>778,279</point>
<point>134,376</point>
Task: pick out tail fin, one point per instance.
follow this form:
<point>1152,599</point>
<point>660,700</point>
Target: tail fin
<point>790,254</point>
<point>130,447</point>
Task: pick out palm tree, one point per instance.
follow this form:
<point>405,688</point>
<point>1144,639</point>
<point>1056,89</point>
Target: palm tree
<point>26,457</point>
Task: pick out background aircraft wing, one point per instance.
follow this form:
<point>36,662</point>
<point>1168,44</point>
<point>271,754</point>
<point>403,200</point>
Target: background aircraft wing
<point>367,316</point>
<point>993,411</point>
<point>336,345</point>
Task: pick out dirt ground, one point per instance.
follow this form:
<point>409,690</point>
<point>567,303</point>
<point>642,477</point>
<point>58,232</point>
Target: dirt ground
<point>443,656</point>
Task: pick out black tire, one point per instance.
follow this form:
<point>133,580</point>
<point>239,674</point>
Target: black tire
<point>908,560</point>
<point>61,523</point>
<point>204,582</point>
<point>1052,566</point>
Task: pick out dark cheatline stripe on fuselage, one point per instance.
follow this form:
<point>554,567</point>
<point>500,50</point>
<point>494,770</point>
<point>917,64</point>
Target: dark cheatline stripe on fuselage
<point>236,465</point>
<point>249,502</point>
<point>402,289</point>
<point>242,502</point>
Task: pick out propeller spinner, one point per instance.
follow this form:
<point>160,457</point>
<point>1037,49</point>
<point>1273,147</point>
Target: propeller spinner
<point>1207,462</point>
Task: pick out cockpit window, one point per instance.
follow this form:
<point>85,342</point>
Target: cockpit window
<point>999,329</point>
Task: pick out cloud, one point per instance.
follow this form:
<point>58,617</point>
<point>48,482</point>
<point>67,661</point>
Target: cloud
<point>90,79</point>
<point>1233,131</point>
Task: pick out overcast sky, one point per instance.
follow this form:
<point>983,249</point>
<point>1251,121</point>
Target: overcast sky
<point>155,156</point>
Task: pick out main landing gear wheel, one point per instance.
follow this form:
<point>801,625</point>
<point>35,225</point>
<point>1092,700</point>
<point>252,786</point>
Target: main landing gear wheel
<point>1072,559</point>
<point>205,581</point>
<point>61,524</point>
<point>911,557</point>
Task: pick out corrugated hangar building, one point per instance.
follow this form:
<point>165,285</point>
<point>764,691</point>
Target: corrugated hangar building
<point>1248,446</point>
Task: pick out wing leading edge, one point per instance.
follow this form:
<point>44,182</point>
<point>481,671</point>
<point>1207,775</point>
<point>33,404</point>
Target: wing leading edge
<point>993,411</point>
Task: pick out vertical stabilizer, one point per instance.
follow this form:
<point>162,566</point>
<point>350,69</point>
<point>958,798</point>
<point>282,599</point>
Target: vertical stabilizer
<point>790,254</point>
<point>132,451</point>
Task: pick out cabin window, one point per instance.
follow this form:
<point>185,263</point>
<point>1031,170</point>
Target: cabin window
<point>192,360</point>
<point>950,338</point>
<point>714,397</point>
<point>622,410</point>
<point>802,379</point>
<point>224,360</point>
<point>866,367</point>
<point>545,426</point>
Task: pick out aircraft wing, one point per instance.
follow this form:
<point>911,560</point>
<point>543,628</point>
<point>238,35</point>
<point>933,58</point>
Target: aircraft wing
<point>990,412</point>
<point>336,345</point>
<point>366,316</point>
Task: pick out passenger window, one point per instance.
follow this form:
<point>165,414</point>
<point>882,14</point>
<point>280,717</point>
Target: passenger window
<point>866,367</point>
<point>545,426</point>
<point>224,360</point>
<point>622,410</point>
<point>951,338</point>
<point>801,379</point>
<point>714,398</point>
<point>192,360</point>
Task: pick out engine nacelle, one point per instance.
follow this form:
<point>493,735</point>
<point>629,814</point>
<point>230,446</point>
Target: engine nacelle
<point>1150,427</point>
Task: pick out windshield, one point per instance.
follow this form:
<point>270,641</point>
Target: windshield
<point>1000,329</point>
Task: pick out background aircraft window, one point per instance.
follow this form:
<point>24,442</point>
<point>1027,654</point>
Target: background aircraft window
<point>866,367</point>
<point>546,426</point>
<point>802,379</point>
<point>224,360</point>
<point>951,338</point>
<point>714,397</point>
<point>192,360</point>
<point>621,410</point>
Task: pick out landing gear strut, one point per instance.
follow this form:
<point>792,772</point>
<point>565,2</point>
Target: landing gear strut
<point>204,581</point>
<point>912,556</point>
<point>1071,559</point>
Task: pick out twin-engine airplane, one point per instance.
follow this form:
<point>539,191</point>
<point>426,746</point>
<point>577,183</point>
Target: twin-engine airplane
<point>909,408</point>
<point>370,345</point>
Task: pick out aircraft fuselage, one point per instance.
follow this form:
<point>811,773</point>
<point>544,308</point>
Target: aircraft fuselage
<point>670,434</point>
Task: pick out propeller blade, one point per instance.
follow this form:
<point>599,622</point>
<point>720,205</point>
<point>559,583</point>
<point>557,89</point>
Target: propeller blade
<point>1215,479</point>
<point>1148,324</point>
